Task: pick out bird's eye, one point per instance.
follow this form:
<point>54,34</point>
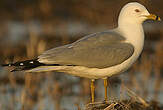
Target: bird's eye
<point>137,10</point>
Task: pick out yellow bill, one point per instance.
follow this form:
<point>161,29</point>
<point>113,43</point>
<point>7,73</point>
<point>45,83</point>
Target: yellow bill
<point>153,17</point>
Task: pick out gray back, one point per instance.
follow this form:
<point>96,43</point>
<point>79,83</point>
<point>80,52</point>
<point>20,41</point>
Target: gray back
<point>99,50</point>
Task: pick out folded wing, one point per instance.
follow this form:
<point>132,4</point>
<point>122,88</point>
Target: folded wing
<point>98,50</point>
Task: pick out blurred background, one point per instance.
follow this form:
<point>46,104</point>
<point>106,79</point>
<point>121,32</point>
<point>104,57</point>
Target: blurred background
<point>29,27</point>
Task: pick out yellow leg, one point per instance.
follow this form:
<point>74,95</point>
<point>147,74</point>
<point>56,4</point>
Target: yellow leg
<point>105,86</point>
<point>93,90</point>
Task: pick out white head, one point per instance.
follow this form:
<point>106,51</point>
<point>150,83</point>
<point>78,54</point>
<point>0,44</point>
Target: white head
<point>133,13</point>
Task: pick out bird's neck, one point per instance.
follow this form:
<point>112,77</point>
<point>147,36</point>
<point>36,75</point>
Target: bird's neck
<point>134,34</point>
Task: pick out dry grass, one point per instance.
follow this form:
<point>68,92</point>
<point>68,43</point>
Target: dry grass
<point>123,105</point>
<point>135,102</point>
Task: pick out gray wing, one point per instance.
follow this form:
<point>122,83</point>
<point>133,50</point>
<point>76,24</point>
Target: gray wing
<point>97,50</point>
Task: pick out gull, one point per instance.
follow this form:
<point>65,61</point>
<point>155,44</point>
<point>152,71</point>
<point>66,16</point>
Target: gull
<point>99,55</point>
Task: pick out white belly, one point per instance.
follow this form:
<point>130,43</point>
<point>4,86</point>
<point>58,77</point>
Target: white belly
<point>95,73</point>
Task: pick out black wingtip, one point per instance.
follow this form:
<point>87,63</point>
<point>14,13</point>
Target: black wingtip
<point>3,65</point>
